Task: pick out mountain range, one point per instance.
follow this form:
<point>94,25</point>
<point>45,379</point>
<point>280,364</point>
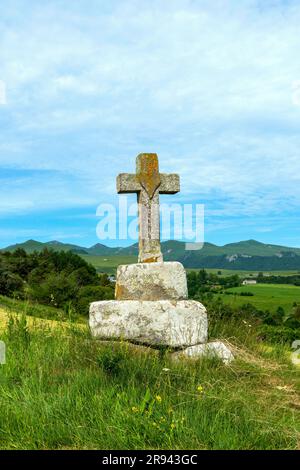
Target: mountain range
<point>248,255</point>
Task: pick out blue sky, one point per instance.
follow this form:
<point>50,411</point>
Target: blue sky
<point>212,87</point>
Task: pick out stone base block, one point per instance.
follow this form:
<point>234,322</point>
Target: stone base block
<point>213,349</point>
<point>151,281</point>
<point>155,323</point>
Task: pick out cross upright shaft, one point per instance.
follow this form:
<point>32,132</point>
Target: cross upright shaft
<point>148,183</point>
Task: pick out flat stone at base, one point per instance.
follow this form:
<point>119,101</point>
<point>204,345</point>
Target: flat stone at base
<point>155,323</point>
<point>151,281</point>
<point>213,349</point>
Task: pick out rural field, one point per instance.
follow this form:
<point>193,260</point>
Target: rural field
<point>265,296</point>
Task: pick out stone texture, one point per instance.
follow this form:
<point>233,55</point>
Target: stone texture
<point>148,183</point>
<point>213,349</point>
<point>151,281</point>
<point>159,323</point>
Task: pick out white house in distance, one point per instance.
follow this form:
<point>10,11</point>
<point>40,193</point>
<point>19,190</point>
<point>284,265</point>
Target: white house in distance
<point>249,282</point>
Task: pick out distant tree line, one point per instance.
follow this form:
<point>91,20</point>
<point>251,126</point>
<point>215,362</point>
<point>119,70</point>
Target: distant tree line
<point>287,261</point>
<point>59,279</point>
<point>200,282</point>
<point>293,280</point>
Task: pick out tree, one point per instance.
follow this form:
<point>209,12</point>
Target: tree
<point>10,283</point>
<point>88,294</point>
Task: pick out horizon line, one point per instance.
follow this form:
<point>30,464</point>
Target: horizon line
<point>136,243</point>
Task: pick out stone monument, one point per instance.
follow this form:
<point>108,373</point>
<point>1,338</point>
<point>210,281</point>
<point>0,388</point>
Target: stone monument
<point>151,305</point>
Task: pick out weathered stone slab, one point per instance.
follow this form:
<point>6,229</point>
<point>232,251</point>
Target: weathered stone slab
<point>151,281</point>
<point>159,323</point>
<point>213,349</point>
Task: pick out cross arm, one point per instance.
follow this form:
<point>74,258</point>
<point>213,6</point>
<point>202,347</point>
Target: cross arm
<point>127,183</point>
<point>169,183</point>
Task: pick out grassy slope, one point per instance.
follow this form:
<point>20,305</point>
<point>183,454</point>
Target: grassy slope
<point>36,310</point>
<point>60,389</point>
<point>266,296</point>
<point>32,322</point>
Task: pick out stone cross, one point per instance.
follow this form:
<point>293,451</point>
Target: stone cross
<point>148,183</point>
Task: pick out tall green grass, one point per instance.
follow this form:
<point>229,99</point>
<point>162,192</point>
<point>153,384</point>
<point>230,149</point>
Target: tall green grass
<point>60,389</point>
<point>35,309</point>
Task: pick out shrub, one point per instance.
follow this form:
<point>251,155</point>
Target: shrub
<point>10,283</point>
<point>278,334</point>
<point>55,290</point>
<point>292,320</point>
<point>88,294</point>
<point>52,278</point>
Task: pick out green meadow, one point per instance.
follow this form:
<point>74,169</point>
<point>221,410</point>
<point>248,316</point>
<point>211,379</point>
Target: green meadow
<point>265,296</point>
<point>109,264</point>
<point>60,389</point>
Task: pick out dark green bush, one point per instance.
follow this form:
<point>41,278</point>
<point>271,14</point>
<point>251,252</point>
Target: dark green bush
<point>88,294</point>
<point>55,290</point>
<point>10,283</point>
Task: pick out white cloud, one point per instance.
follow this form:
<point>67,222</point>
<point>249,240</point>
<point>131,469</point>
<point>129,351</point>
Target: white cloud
<point>208,85</point>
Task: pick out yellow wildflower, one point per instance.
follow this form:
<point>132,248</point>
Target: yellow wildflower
<point>135,409</point>
<point>158,398</point>
<point>200,389</point>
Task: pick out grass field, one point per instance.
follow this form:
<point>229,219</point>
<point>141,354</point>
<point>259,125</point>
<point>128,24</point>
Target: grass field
<point>34,309</point>
<point>266,296</point>
<point>59,389</point>
<point>109,264</point>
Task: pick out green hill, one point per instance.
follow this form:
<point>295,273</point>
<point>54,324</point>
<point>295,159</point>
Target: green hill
<point>32,245</point>
<point>244,255</point>
<point>29,246</point>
